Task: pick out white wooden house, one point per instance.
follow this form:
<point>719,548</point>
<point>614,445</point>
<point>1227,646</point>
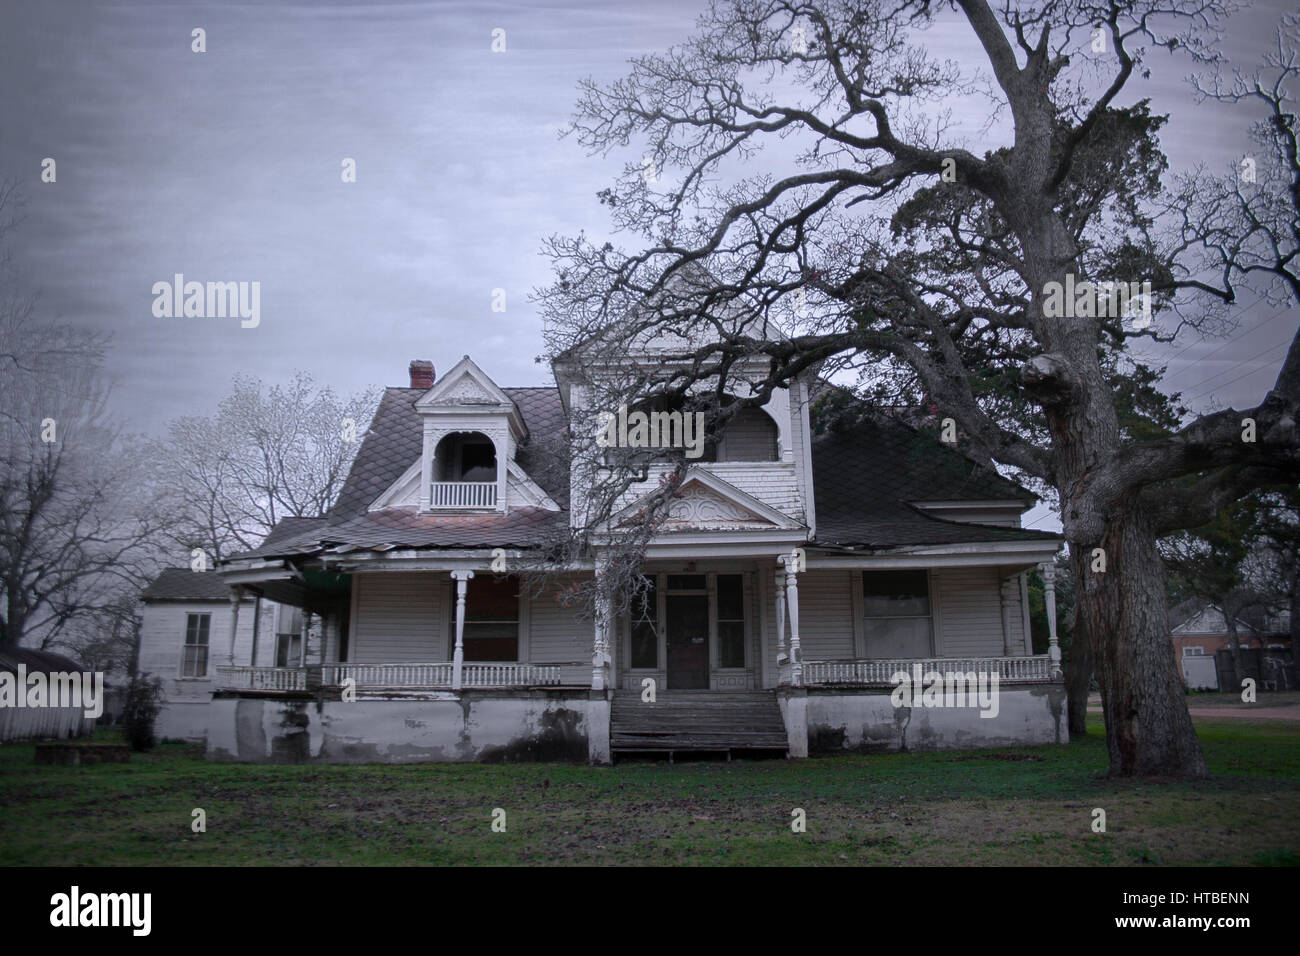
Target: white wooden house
<point>796,575</point>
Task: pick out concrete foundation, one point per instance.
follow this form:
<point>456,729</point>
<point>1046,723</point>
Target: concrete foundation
<point>470,726</point>
<point>868,722</point>
<point>185,720</point>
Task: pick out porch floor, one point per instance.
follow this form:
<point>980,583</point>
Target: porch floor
<point>697,721</point>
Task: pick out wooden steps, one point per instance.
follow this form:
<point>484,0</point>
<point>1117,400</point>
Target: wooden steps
<point>697,721</point>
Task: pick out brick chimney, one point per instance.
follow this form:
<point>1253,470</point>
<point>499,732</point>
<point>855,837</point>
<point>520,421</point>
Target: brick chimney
<point>422,373</point>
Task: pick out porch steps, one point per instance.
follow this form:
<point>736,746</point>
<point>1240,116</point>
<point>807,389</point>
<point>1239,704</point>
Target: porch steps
<point>696,721</point>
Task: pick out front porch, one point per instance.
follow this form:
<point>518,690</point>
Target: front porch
<point>501,665</point>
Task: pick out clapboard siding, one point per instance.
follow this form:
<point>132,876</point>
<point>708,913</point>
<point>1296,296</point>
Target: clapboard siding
<point>554,633</point>
<point>399,617</point>
<point>162,640</point>
<point>825,615</point>
<point>970,610</point>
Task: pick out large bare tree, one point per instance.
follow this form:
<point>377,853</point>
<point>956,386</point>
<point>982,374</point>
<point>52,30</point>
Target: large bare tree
<point>268,452</point>
<point>891,249</point>
<point>75,522</point>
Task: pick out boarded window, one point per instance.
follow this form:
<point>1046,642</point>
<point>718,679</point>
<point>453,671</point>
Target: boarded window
<point>731,620</point>
<point>750,435</point>
<point>896,612</point>
<point>491,619</point>
<point>194,659</point>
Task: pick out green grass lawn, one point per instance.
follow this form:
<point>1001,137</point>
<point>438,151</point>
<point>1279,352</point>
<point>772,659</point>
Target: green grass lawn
<point>1025,806</point>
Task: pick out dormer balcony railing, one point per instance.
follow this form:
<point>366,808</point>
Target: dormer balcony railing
<point>463,495</point>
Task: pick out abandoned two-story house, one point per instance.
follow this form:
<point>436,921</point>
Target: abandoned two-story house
<point>794,578</point>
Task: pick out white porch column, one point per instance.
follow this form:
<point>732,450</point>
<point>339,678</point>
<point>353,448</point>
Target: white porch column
<point>458,655</point>
<point>1010,595</point>
<point>782,660</point>
<point>306,636</point>
<point>1049,598</point>
<point>792,601</point>
<point>236,595</point>
<point>600,652</point>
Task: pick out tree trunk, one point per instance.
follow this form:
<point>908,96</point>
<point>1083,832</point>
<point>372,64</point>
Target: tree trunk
<point>1078,679</point>
<point>1148,729</point>
<point>1234,642</point>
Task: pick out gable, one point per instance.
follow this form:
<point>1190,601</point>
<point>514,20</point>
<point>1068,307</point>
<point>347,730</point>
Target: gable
<point>706,502</point>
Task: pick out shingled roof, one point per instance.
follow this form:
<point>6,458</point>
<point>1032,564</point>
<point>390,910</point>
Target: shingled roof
<point>182,584</point>
<point>864,477</point>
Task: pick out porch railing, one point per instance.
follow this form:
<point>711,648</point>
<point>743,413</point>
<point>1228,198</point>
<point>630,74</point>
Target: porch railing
<point>877,673</point>
<point>401,675</point>
<point>463,494</point>
<point>261,678</point>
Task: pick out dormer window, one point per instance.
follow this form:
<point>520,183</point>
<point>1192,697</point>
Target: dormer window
<point>465,457</point>
<point>471,430</point>
<point>464,472</point>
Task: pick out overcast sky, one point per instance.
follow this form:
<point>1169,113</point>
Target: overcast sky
<point>225,166</point>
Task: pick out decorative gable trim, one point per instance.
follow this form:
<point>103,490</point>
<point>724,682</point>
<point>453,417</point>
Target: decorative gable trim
<point>705,501</point>
<point>467,389</point>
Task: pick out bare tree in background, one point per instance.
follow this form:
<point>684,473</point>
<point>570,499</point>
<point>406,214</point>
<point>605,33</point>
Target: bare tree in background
<point>76,522</point>
<point>267,453</point>
<point>895,253</point>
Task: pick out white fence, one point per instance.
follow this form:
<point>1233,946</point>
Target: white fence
<point>27,723</point>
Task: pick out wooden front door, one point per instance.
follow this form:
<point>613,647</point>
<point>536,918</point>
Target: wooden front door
<point>687,635</point>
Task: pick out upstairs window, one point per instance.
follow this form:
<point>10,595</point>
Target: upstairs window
<point>750,435</point>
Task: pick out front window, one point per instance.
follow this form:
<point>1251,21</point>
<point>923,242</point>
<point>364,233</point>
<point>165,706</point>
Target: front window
<point>288,636</point>
<point>491,619</point>
<point>896,614</point>
<point>731,620</point>
<point>645,633</point>
<point>194,660</point>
